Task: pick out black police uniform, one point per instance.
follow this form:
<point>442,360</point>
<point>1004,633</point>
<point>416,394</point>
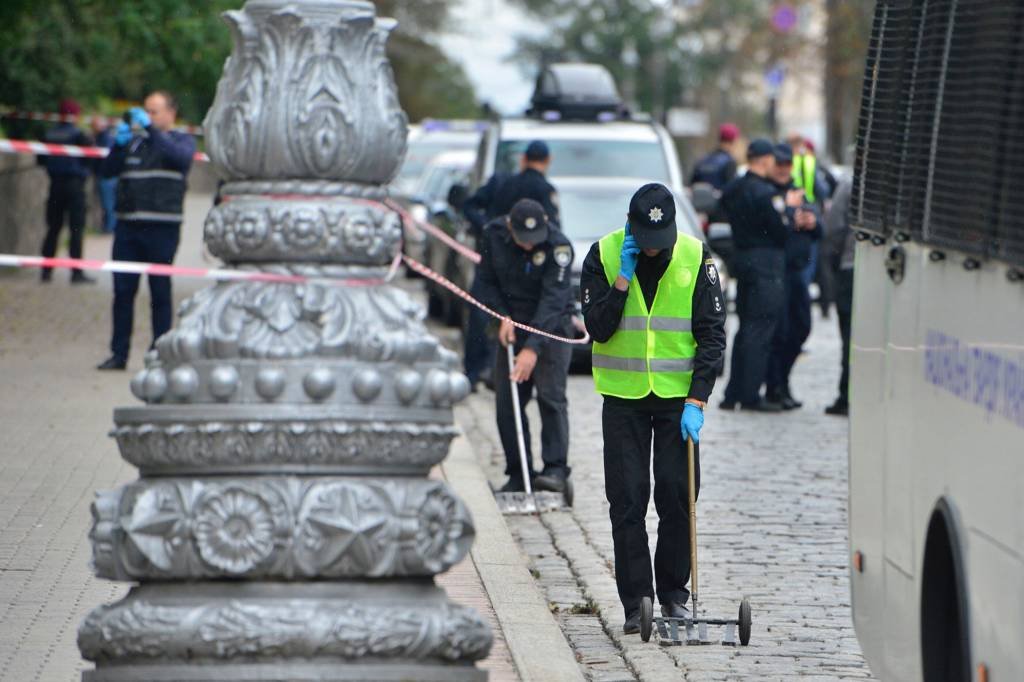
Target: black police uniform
<point>760,228</point>
<point>795,321</point>
<point>67,195</point>
<point>151,172</point>
<point>628,427</point>
<point>496,198</point>
<point>717,169</point>
<point>534,288</point>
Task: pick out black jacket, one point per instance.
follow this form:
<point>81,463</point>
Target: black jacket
<point>756,213</point>
<point>799,243</point>
<point>531,287</point>
<point>501,192</point>
<point>151,171</point>
<point>717,169</point>
<point>66,166</point>
<point>603,305</point>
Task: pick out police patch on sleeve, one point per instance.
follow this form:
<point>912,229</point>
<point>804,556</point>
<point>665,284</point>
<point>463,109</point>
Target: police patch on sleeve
<point>712,273</point>
<point>563,255</point>
<point>779,204</point>
<point>539,257</point>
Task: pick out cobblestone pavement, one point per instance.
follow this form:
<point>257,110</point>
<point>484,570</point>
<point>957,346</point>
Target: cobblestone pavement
<point>771,524</point>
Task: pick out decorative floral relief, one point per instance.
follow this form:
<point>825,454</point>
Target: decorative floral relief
<point>179,529</point>
<point>139,630</point>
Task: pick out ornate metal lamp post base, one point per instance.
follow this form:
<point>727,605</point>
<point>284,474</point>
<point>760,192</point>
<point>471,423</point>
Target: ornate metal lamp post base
<point>283,527</point>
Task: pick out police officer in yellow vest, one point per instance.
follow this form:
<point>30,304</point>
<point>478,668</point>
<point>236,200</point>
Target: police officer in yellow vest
<point>653,304</point>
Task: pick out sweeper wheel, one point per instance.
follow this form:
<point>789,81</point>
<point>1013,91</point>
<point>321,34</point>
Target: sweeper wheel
<point>744,622</point>
<point>646,618</point>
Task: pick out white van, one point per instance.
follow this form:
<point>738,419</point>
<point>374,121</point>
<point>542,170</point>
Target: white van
<point>937,362</point>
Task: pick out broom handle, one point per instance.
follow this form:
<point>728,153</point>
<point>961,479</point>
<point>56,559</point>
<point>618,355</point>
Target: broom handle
<point>693,522</point>
<point>517,411</point>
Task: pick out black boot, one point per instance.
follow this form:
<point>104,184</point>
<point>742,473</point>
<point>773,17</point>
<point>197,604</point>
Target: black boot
<point>79,277</point>
<point>113,362</point>
<point>840,408</point>
<point>551,479</point>
<point>787,401</point>
<point>514,484</point>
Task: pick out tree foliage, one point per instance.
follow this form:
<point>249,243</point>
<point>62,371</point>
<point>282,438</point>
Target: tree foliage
<point>98,51</point>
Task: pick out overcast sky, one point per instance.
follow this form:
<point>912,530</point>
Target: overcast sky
<point>481,39</point>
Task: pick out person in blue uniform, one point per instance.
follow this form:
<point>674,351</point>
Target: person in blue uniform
<point>795,322</point>
<point>760,228</point>
<point>151,166</point>
<point>525,274</point>
<point>67,192</point>
<point>496,198</point>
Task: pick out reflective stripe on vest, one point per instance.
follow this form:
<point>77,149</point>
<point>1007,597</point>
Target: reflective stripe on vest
<point>804,166</point>
<point>651,351</point>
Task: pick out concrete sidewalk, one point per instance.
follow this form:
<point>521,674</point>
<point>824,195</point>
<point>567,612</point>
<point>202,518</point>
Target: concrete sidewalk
<point>55,412</point>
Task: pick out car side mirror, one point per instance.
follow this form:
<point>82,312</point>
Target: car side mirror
<point>704,197</point>
<point>457,195</point>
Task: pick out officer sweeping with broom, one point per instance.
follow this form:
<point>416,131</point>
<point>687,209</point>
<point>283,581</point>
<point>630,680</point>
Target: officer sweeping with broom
<point>653,304</point>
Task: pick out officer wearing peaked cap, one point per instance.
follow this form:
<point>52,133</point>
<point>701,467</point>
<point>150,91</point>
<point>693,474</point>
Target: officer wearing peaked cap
<point>525,274</point>
<point>653,304</point>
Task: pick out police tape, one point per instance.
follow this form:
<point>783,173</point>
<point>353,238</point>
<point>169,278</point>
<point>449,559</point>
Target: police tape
<point>434,231</point>
<point>218,274</point>
<point>52,117</point>
<point>422,269</point>
<point>228,275</point>
<point>49,149</point>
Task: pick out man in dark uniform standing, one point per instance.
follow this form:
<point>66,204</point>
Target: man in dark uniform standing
<point>795,321</point>
<point>525,274</point>
<point>151,168</point>
<point>67,191</point>
<point>496,198</point>
<point>760,227</point>
<point>719,167</point>
<point>653,304</point>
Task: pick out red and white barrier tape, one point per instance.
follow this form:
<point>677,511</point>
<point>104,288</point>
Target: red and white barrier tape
<point>434,231</point>
<point>455,289</point>
<point>219,274</point>
<point>47,149</point>
<point>84,119</point>
<point>134,267</point>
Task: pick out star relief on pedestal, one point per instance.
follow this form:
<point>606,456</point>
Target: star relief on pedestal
<point>156,526</point>
<point>344,523</point>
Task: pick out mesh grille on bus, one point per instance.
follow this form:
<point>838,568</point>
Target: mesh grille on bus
<point>941,130</point>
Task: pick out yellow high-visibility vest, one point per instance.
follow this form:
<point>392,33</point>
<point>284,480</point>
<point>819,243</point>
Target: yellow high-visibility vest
<point>652,350</point>
<point>803,174</point>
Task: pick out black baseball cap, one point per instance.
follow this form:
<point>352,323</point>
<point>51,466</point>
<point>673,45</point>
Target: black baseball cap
<point>652,217</point>
<point>537,151</point>
<point>528,221</point>
<point>783,153</point>
<point>760,147</point>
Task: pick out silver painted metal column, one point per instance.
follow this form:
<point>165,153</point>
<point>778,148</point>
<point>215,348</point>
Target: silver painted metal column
<point>283,525</point>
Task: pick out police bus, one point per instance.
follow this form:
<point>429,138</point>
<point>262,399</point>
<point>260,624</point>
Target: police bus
<point>937,394</point>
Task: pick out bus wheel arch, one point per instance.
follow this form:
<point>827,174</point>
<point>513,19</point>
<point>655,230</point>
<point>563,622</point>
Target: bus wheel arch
<point>945,628</point>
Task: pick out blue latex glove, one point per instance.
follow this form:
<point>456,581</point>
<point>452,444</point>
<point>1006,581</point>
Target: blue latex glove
<point>123,135</point>
<point>140,117</point>
<point>628,255</point>
<point>691,422</point>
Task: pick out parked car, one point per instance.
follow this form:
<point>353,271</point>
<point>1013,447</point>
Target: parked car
<point>429,198</point>
<point>428,139</point>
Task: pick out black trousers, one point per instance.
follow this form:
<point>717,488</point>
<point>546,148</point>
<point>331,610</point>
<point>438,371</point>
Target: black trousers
<point>760,295</point>
<point>150,242</point>
<point>548,379</point>
<point>66,198</point>
<point>792,330</point>
<point>844,308</point>
<point>628,427</point>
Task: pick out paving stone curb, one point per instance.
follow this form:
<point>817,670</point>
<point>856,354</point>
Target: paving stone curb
<point>539,648</point>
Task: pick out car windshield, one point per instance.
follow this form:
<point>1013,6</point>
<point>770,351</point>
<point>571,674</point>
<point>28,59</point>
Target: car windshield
<point>422,151</point>
<point>438,180</point>
<point>592,158</point>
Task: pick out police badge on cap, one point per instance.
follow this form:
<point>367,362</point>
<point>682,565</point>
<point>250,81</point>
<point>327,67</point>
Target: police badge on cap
<point>528,221</point>
<point>652,217</point>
